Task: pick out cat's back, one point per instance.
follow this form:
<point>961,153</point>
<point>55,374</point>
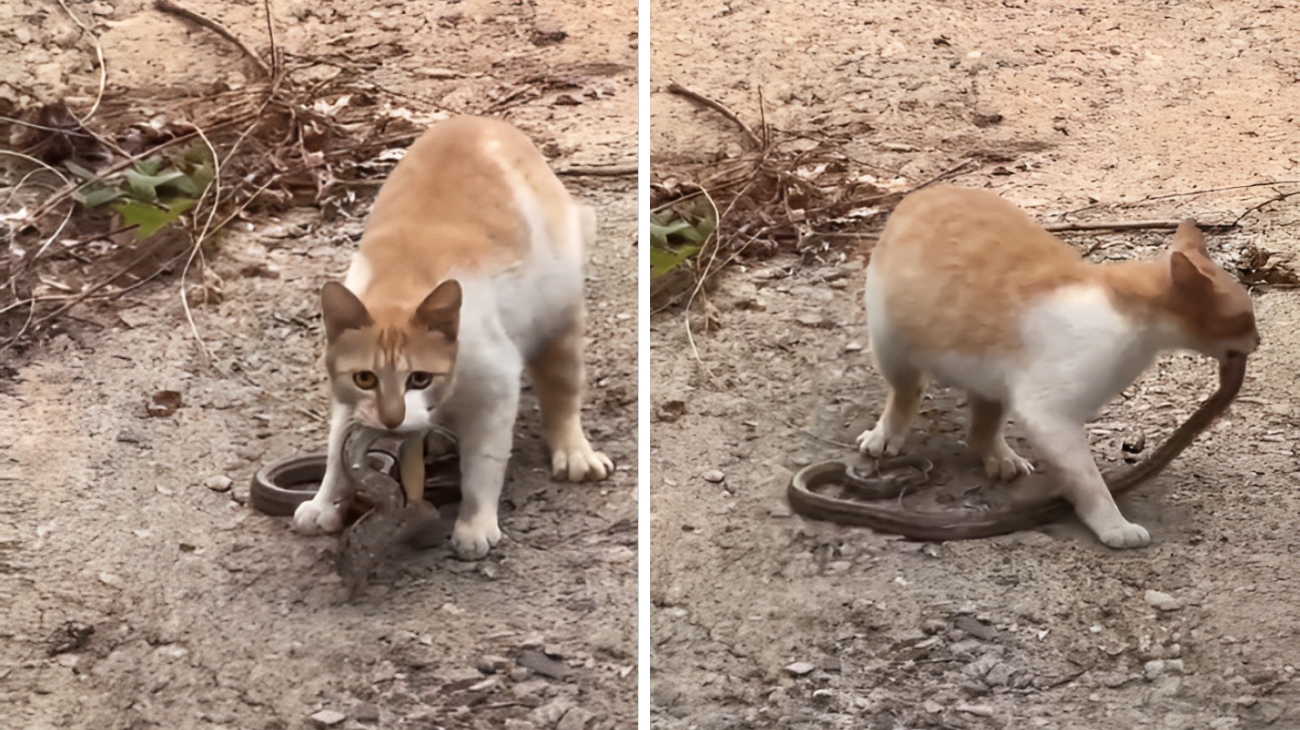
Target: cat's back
<point>471,195</point>
<point>955,267</point>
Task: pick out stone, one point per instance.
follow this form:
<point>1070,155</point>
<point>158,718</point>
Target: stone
<point>366,712</point>
<point>1154,668</point>
<point>328,718</point>
<point>714,476</point>
<point>492,664</point>
<point>219,483</point>
<point>999,675</point>
<point>575,719</point>
<point>799,669</point>
<point>1162,601</point>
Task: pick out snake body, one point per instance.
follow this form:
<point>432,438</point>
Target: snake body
<point>891,517</point>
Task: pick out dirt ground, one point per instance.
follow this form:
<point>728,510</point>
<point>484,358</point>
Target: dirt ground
<point>134,594</point>
<point>764,620</point>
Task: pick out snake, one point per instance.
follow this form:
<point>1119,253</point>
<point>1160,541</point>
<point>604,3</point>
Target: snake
<point>996,520</point>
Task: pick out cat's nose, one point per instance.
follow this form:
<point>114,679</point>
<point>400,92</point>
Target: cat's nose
<point>392,412</point>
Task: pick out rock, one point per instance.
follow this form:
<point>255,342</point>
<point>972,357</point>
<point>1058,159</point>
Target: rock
<point>529,687</point>
<point>1154,668</point>
<point>975,628</point>
<point>491,664</point>
<point>219,483</point>
<point>714,476</point>
<point>366,713</point>
<point>544,665</point>
<point>575,719</point>
<point>853,347</point>
<point>1162,601</point>
<point>549,715</point>
<point>130,436</point>
<point>977,710</point>
<point>781,509</point>
<point>934,626</point>
<point>999,675</point>
<point>799,669</point>
<point>328,718</point>
<point>111,580</point>
<point>517,724</point>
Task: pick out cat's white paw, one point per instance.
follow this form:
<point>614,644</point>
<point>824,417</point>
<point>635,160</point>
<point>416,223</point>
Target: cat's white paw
<point>877,443</point>
<point>1126,535</point>
<point>1006,464</point>
<point>580,464</point>
<point>314,518</point>
<point>472,539</point>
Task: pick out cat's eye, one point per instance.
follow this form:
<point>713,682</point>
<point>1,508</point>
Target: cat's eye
<point>418,380</point>
<point>365,379</point>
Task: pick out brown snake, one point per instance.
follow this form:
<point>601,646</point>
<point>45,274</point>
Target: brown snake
<point>1017,515</point>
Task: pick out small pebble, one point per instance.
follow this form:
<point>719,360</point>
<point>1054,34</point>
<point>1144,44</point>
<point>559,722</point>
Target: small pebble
<point>366,712</point>
<point>853,347</point>
<point>492,664</point>
<point>714,476</point>
<point>219,483</point>
<point>799,669</point>
<point>575,719</point>
<point>1162,601</point>
<point>328,718</point>
<point>1154,668</point>
<point>978,710</point>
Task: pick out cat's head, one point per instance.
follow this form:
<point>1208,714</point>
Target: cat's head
<point>1212,306</point>
<point>392,364</point>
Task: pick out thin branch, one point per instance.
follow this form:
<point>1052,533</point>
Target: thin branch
<point>599,170</point>
<point>168,6</point>
<point>99,55</point>
<point>1116,226</point>
<point>695,96</point>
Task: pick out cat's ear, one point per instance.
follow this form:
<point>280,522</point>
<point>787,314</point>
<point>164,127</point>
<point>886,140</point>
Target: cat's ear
<point>1189,238</point>
<point>342,310</point>
<point>1189,280</point>
<point>440,311</point>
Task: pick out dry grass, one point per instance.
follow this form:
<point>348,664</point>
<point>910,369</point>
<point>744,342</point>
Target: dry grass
<point>274,143</point>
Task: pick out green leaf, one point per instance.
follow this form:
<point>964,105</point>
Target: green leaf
<point>149,217</point>
<point>146,187</point>
<point>664,260</point>
<point>94,197</point>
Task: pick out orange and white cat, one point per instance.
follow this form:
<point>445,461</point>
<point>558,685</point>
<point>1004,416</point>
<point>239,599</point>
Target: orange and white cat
<point>965,288</point>
<point>469,271</point>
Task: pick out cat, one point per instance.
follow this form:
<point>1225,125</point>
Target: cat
<point>469,271</point>
<point>965,288</point>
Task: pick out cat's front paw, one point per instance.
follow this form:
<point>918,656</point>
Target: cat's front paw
<point>877,443</point>
<point>314,518</point>
<point>580,464</point>
<point>1127,535</point>
<point>473,538</point>
<point>1006,464</point>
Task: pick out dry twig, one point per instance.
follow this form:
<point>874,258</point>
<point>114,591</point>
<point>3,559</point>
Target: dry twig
<point>168,6</point>
<point>676,88</point>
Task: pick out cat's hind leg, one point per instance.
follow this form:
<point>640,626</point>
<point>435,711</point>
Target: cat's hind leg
<point>557,377</point>
<point>906,384</point>
<point>987,418</point>
<point>1062,443</point>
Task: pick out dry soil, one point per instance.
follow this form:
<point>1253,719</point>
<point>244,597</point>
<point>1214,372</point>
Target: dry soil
<point>760,619</point>
<point>135,595</point>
